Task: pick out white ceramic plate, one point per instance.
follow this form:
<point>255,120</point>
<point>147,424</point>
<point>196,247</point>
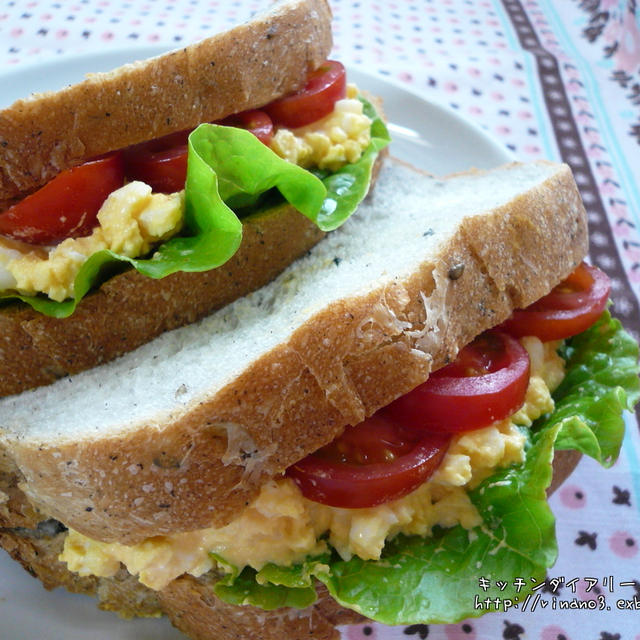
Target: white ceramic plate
<point>428,135</point>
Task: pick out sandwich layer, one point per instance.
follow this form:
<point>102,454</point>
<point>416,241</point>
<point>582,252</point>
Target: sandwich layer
<point>133,220</point>
<point>237,398</point>
<point>189,603</point>
<point>282,527</point>
<point>243,68</point>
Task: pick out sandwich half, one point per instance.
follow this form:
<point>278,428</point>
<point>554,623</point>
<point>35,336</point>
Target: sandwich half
<point>141,199</point>
<point>215,474</point>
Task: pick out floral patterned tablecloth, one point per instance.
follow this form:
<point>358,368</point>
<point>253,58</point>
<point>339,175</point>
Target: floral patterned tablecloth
<point>558,80</point>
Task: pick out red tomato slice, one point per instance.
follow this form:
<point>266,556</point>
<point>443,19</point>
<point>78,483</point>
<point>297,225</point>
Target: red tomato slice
<point>67,206</point>
<point>255,121</point>
<point>372,463</point>
<point>161,163</point>
<point>164,171</point>
<point>487,382</point>
<point>325,86</point>
<point>570,308</point>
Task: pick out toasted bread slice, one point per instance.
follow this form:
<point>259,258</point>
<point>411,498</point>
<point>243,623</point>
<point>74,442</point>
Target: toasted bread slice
<point>243,68</point>
<point>215,409</point>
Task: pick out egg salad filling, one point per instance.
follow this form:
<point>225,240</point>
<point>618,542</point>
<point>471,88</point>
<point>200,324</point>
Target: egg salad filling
<point>331,142</point>
<point>133,220</point>
<point>282,527</point>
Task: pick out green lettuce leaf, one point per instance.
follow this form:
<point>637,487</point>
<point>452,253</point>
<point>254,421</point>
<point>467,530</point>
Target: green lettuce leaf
<point>601,381</point>
<point>440,579</point>
<point>349,185</point>
<point>272,587</point>
<point>434,579</point>
<point>228,170</point>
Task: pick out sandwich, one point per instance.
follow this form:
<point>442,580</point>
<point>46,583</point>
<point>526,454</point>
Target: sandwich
<point>172,186</point>
<point>317,452</point>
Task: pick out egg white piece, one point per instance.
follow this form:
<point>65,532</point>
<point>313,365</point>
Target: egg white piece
<point>9,251</point>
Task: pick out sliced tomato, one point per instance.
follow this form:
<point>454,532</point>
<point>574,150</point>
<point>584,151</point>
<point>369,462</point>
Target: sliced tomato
<point>371,463</point>
<point>164,171</point>
<point>570,308</point>
<point>67,206</point>
<point>255,121</point>
<point>161,163</point>
<point>487,382</point>
<point>325,86</point>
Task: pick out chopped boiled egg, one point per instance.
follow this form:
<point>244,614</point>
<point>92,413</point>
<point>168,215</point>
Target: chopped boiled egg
<point>328,143</point>
<point>9,251</point>
<point>131,220</point>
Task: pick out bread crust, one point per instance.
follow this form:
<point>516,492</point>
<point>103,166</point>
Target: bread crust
<point>193,608</point>
<point>243,68</point>
<point>301,395</point>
